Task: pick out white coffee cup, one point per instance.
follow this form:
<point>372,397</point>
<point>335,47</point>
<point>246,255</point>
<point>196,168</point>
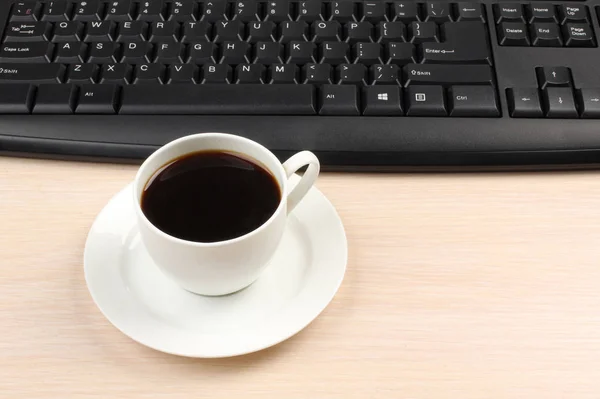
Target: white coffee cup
<point>223,267</point>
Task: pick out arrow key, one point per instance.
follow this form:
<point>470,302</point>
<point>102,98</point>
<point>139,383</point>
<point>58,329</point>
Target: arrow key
<point>524,103</point>
<point>553,76</point>
<point>559,103</point>
<point>589,103</point>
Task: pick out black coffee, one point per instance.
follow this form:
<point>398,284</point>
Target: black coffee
<point>210,196</point>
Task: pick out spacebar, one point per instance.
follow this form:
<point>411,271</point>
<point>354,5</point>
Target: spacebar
<point>218,99</point>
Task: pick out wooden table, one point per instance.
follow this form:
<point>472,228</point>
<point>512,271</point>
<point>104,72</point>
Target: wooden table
<point>458,286</point>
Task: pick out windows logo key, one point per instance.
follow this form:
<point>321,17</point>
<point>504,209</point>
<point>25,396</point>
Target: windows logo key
<point>382,96</point>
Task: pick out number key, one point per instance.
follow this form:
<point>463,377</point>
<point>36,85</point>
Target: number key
<point>182,11</point>
<point>215,10</point>
<point>88,10</point>
<point>278,11</point>
<point>246,11</point>
<point>310,10</point>
<point>343,11</point>
<point>151,11</point>
<point>119,10</point>
<point>56,11</point>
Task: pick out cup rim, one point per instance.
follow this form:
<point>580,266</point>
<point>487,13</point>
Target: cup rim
<point>176,240</point>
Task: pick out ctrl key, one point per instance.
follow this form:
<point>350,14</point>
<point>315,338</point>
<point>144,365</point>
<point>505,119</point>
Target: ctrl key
<point>98,99</point>
<point>16,98</point>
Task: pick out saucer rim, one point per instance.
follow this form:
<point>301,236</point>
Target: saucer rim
<point>315,311</point>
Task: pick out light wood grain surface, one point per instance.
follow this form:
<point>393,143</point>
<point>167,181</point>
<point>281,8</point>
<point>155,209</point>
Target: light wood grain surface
<point>458,286</point>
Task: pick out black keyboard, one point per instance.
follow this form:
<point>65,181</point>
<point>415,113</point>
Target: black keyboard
<point>364,84</point>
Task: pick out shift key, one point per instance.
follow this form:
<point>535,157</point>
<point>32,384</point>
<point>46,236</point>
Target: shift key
<point>447,75</point>
<point>31,73</point>
<point>34,52</point>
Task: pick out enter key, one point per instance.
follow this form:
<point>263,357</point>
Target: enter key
<point>465,43</point>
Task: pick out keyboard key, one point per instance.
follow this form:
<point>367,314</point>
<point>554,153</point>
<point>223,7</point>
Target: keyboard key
<point>405,11</point>
<point>103,53</point>
<point>82,73</point>
<point>374,11</point>
<point>56,11</point>
<point>249,74</point>
<point>559,102</point>
<point>163,32</point>
<point>228,31</point>
<point>136,31</point>
<point>34,73</point>
<point>578,35</point>
<point>88,10</point>
<point>202,53</point>
<point>137,53</point>
<point>382,101</point>
<point>236,53</point>
<point>436,11</point>
<point>310,10</point>
<point>119,10</point>
<point>97,99</point>
<point>509,12</point>
<point>26,52</point>
<point>283,74</point>
<point>170,53</point>
<point>268,53</point>
<point>524,103</point>
<point>70,52</point>
<point>338,100</point>
<point>325,31</point>
<point>100,31</point>
<point>545,34</point>
<point>195,32</point>
<point>68,32</point>
<point>149,73</point>
<point>447,75</point>
<point>335,53</point>
<point>468,11</point>
<point>384,75</point>
<point>261,31</point>
<point>183,73</point>
<point>352,74</point>
<point>27,32</point>
<point>391,32</point>
<point>513,34</point>
<point>16,98</point>
<point>400,53</point>
<point>465,43</point>
<point>293,31</point>
<point>317,74</point>
<point>301,52</point>
<point>589,102</point>
<point>278,11</point>
<point>426,101</point>
<point>55,99</point>
<point>572,13</point>
<point>183,11</point>
<point>119,74</point>
<point>247,10</point>
<point>219,100</point>
<point>343,11</point>
<point>541,12</point>
<point>367,53</point>
<point>216,74</point>
<point>358,32</point>
<point>553,76</point>
<point>420,32</point>
<point>473,101</point>
<point>26,11</point>
<point>215,10</point>
<point>151,11</point>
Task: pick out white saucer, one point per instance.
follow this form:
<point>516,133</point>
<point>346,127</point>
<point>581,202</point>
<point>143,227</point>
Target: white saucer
<point>141,302</point>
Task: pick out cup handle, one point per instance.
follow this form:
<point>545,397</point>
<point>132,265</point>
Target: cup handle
<point>292,165</point>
